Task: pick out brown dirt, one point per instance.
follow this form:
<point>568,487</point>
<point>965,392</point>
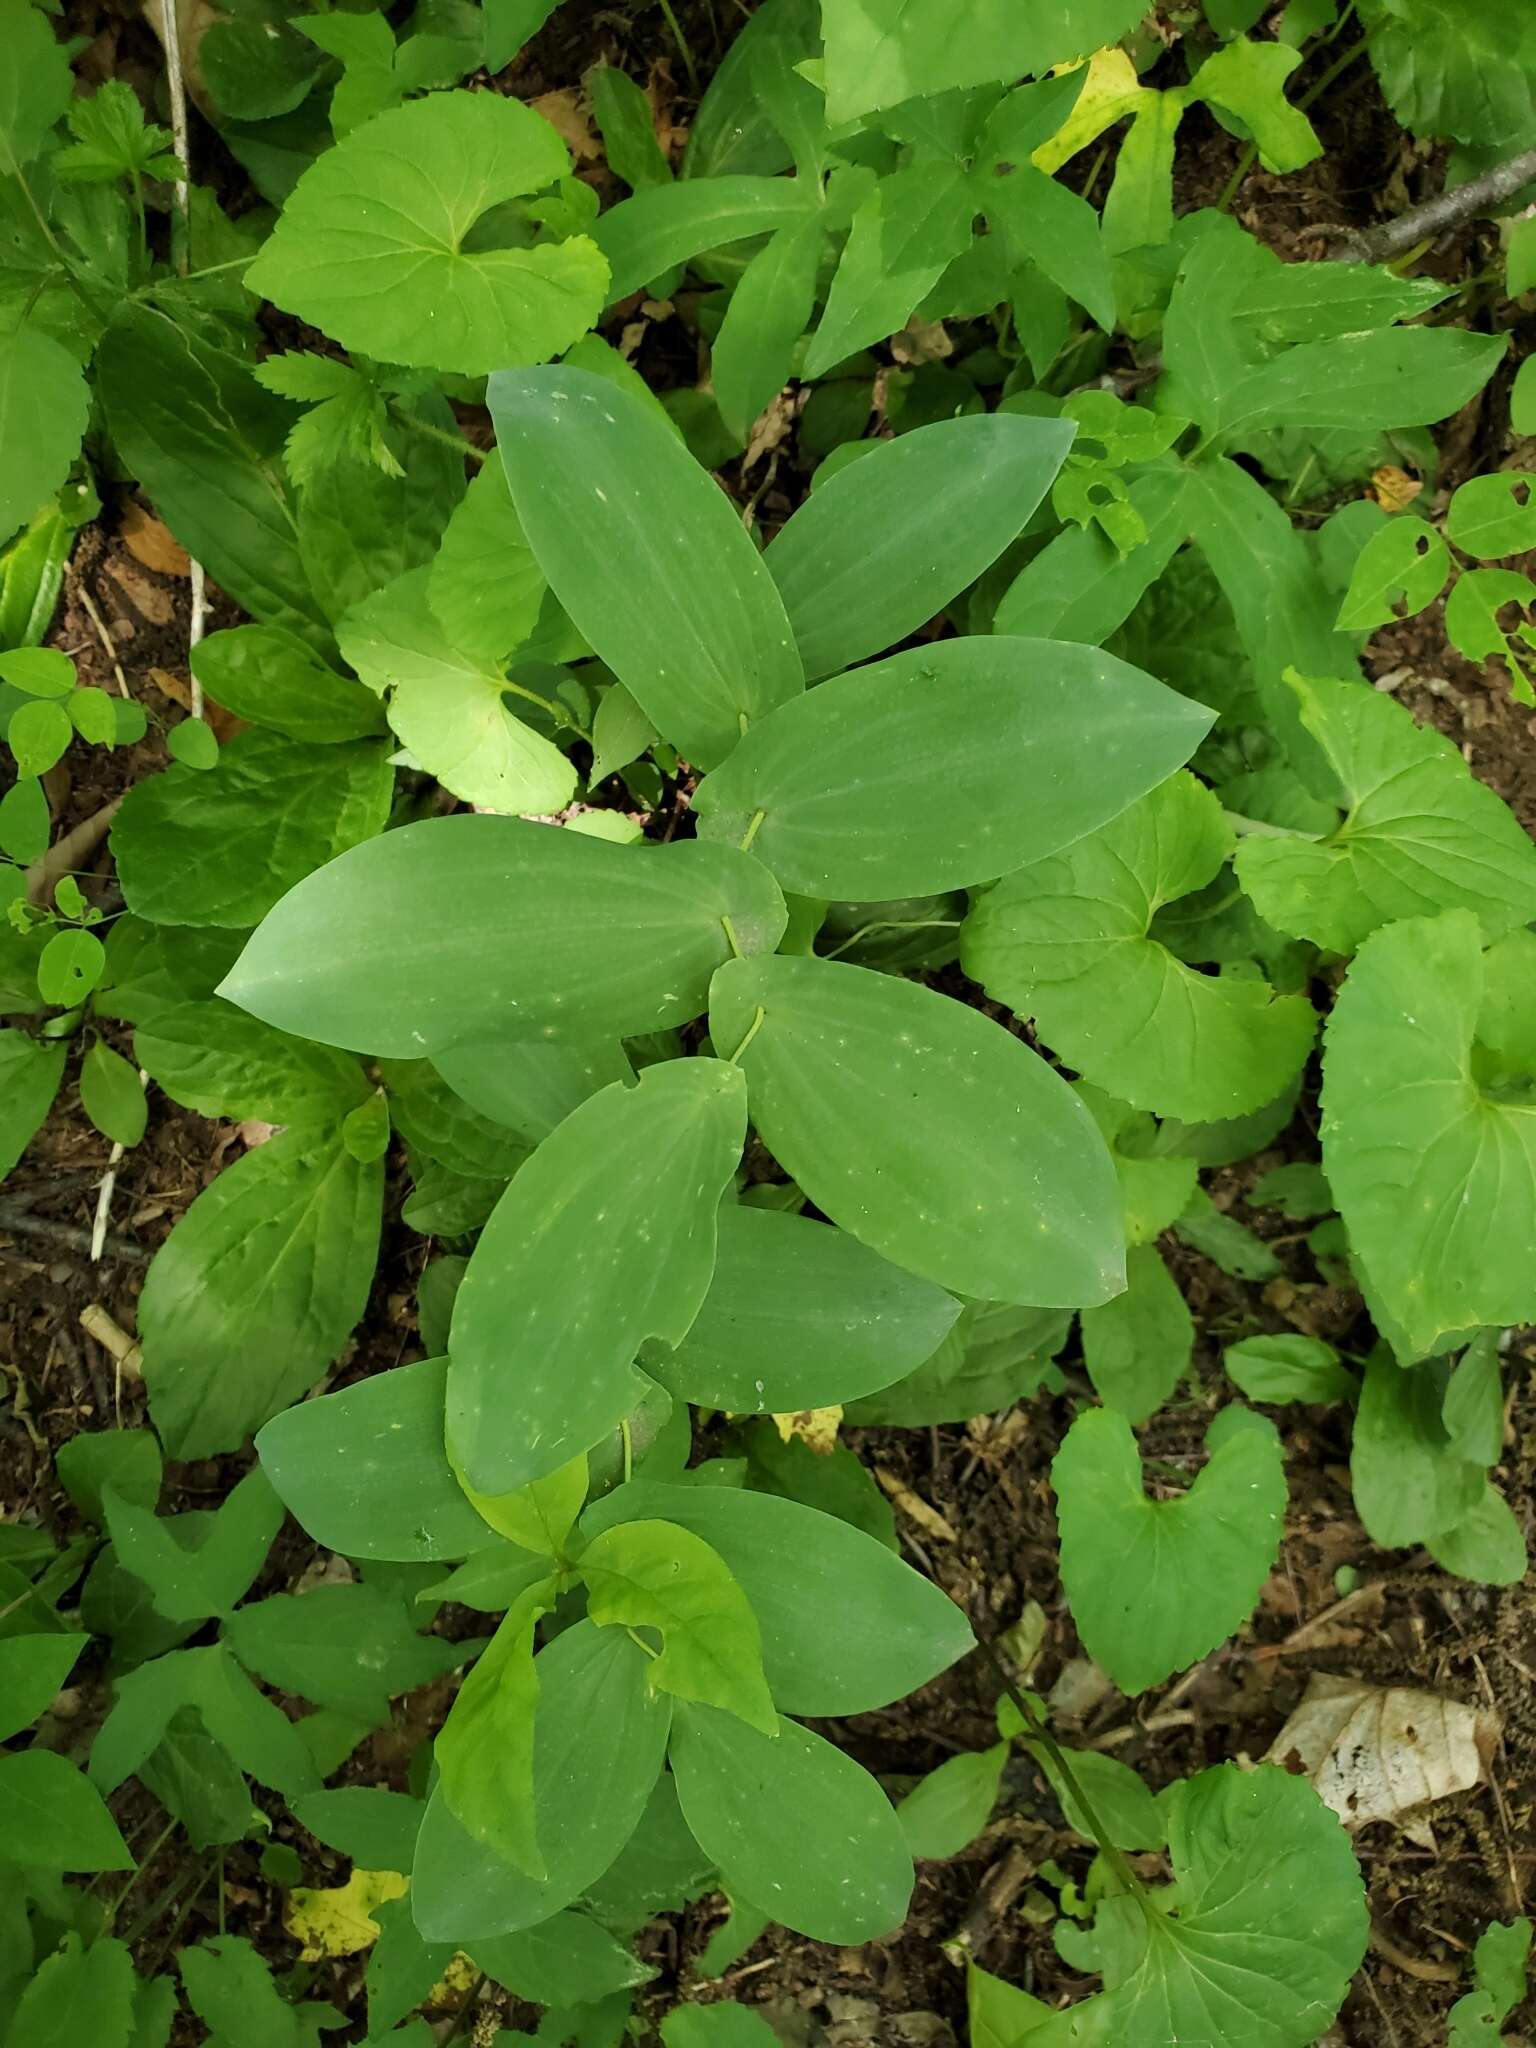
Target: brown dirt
<point>989,1480</point>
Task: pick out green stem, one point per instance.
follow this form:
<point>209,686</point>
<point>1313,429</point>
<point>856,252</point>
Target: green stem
<point>1039,1731</point>
<point>1256,828</point>
<point>896,924</point>
<point>413,425</point>
<point>682,43</point>
<point>110,1911</point>
<point>71,277</point>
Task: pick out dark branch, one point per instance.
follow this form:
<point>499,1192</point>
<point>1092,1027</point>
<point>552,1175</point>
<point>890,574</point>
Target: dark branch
<point>1422,223</point>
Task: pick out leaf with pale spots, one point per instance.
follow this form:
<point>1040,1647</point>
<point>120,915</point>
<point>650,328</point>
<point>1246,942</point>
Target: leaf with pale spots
<point>604,1238</point>
<point>1429,1142</point>
<point>925,1130</point>
<point>1034,743</point>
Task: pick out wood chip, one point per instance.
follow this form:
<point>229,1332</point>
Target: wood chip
<point>151,542</point>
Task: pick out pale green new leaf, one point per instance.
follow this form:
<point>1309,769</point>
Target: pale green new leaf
<point>1255,1941</point>
<point>993,1181</point>
<point>1248,79</point>
<point>1401,568</point>
<point>44,406</point>
<point>905,234</point>
<point>370,246</point>
<point>220,846</point>
<point>1435,1180</point>
<point>1068,942</point>
<point>1138,1346</point>
<point>1487,1545</point>
<point>647,555</point>
<point>486,1746</point>
<point>606,1237</point>
<point>1287,1368</point>
<point>1035,742</point>
<point>1498,1972</point>
<point>538,1518</point>
<point>254,1292</point>
<point>947,1810</point>
<point>660,1576</point>
<point>366,1471</point>
<point>796,1825</point>
<point>448,704</point>
<point>1155,1585</point>
<point>1493,515</point>
<point>457,929</point>
<point>485,586</point>
<point>1419,833</point>
<point>799,1316</point>
<point>881,547</point>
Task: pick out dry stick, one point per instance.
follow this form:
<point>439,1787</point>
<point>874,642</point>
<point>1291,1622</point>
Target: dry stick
<point>108,643</point>
<point>23,1223</point>
<point>69,853</point>
<point>1479,195</point>
<point>176,88</point>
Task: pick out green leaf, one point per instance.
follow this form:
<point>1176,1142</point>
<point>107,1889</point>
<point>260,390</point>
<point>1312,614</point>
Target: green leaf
<point>1473,1409</point>
<point>113,140</point>
<point>39,671</point>
<point>215,1059</point>
<point>36,88</point>
<point>377,1830</point>
<point>1493,515</point>
<point>37,735</point>
<point>457,929</point>
<point>542,1963</point>
<point>1419,832</point>
<point>365,1470</point>
<point>624,115</point>
<point>1068,942</point>
<point>1454,67</point>
<point>204,439</point>
<point>539,1518</point>
<point>436,1122</point>
<point>1498,1973</point>
<point>799,1316</point>
<point>44,404</point>
<point>1023,1208</point>
<point>606,1237</point>
<point>1248,80</point>
<point>449,708</point>
<point>78,1995</point>
<point>883,51</point>
<point>30,1073</point>
<point>1401,568</point>
<point>194,744</point>
<point>829,791</point>
<point>69,967</point>
<point>947,1810</point>
<point>621,733</point>
<point>1000,2015</point>
<point>600,1734</point>
<point>350,1648</point>
<point>846,1626</point>
<point>905,234</point>
<point>1287,1368</point>
<point>880,548</point>
<point>485,585</point>
<point>127,1460</point>
<point>1486,1545</point>
<point>112,1095</point>
<point>32,1673</point>
<point>770,309</point>
<point>190,1582</point>
<point>221,848</point>
<point>996,1354</point>
<point>793,1823</point>
<point>1434,1178</point>
<point>292,1232</point>
<point>375,230</point>
<point>1050,226</point>
<point>273,679</point>
<point>55,1818</point>
<point>723,2025</point>
<point>1260,1934</point>
<point>655,1575</point>
<point>1155,1585</point>
<point>1472,618</point>
<point>1120,1799</point>
<point>1138,1346</point>
<point>647,234</point>
<point>647,555</point>
<point>1408,1479</point>
<point>232,1990</point>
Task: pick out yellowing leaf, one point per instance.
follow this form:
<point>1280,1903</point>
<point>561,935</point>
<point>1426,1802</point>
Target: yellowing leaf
<point>337,1920</point>
<point>818,1426</point>
<point>1112,91</point>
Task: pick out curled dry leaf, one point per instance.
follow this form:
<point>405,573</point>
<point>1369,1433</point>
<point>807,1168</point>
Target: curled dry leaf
<point>1381,1752</point>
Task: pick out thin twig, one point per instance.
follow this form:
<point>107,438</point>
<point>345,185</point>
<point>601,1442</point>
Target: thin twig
<point>176,88</point>
<point>108,643</point>
<point>1423,223</point>
<point>104,1193</point>
<point>24,1224</point>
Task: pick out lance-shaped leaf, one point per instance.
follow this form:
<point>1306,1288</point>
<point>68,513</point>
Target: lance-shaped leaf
<point>1419,833</point>
<point>905,233</point>
<point>484,585</point>
<point>876,550</point>
<point>846,1626</point>
<point>993,1180</point>
<point>371,245</point>
<point>486,1747</point>
<point>366,1471</point>
<point>1155,1585</point>
<point>450,707</point>
<point>215,1059</point>
<point>658,1575</point>
<point>800,1316</point>
<point>1435,1179</point>
<point>1266,1925</point>
<point>794,1824</point>
<point>273,679</point>
<point>256,1289</point>
<point>646,234</point>
<point>606,1237</point>
<point>55,1817</point>
<point>1035,742</point>
<point>458,929</point>
<point>1068,942</point>
<point>647,555</point>
<point>600,1734</point>
<point>754,352</point>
